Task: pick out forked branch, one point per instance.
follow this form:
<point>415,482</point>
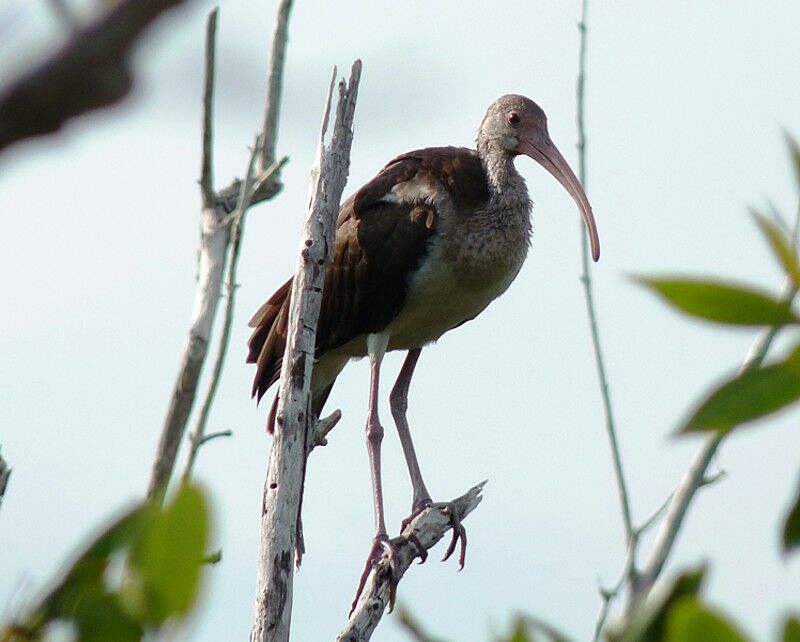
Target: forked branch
<point>219,242</point>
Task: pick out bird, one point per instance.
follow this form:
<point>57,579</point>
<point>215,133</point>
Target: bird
<point>419,250</point>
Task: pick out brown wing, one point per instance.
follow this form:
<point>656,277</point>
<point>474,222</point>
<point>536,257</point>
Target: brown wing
<point>382,236</point>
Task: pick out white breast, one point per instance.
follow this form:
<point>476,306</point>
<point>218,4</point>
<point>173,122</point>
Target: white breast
<point>444,293</point>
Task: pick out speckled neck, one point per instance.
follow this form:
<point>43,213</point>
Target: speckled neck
<point>506,186</point>
<point>491,245</point>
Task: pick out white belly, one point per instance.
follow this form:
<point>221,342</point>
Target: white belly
<point>440,296</point>
<point>445,291</point>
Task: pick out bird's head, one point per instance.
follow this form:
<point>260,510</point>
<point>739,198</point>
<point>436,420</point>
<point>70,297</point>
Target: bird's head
<point>517,125</point>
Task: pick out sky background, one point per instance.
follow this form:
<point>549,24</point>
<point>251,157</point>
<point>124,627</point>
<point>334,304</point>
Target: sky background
<point>686,102</point>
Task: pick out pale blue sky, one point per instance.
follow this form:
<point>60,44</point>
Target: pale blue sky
<point>685,105</point>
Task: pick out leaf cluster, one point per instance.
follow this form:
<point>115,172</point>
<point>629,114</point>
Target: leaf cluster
<point>758,390</point>
<point>141,572</point>
<point>677,613</point>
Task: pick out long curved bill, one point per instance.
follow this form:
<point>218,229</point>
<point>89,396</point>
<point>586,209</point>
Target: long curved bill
<point>547,155</point>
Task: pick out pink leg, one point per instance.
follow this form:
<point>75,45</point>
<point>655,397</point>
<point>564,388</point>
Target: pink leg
<point>421,498</point>
<point>374,438</point>
<point>374,432</point>
<point>399,403</point>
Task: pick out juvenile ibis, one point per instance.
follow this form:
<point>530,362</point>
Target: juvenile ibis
<point>423,247</point>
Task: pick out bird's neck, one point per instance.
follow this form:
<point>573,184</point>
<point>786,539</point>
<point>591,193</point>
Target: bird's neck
<point>490,244</point>
<point>509,205</point>
<point>507,189</point>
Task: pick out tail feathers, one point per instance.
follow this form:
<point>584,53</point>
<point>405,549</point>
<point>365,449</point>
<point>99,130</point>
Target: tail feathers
<point>268,341</point>
<point>273,411</point>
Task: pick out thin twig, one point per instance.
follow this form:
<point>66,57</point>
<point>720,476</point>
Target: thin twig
<point>215,241</point>
<point>266,189</point>
<point>323,426</point>
<point>214,435</point>
<point>207,167</point>
<point>631,534</point>
<point>275,84</point>
<point>237,225</point>
<point>647,524</point>
<point>586,279</point>
<point>608,595</point>
<point>413,628</point>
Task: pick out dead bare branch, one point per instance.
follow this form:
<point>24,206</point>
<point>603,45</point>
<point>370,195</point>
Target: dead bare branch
<point>216,241</point>
<point>291,442</point>
<point>91,71</point>
<point>428,527</point>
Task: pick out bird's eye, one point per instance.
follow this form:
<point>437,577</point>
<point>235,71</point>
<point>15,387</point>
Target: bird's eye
<point>513,118</point>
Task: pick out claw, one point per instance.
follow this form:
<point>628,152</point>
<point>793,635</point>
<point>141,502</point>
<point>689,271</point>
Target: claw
<point>381,546</point>
<point>412,536</point>
<point>459,534</point>
<point>415,512</point>
<point>421,550</point>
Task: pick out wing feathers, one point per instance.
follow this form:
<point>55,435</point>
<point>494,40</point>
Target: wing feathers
<point>383,235</point>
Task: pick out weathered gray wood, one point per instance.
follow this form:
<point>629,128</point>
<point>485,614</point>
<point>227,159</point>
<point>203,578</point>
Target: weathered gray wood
<point>430,526</point>
<point>215,241</point>
<point>291,443</point>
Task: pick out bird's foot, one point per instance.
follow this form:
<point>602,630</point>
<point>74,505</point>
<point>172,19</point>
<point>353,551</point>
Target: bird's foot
<point>382,547</point>
<point>459,535</point>
<point>459,532</point>
<point>416,511</point>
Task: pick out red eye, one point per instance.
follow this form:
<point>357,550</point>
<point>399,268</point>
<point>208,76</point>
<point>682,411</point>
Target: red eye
<point>513,118</point>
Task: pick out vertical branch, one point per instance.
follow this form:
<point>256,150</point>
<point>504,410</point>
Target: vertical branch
<point>283,487</point>
<point>198,436</point>
<point>275,84</point>
<point>207,165</point>
<point>215,241</point>
<point>586,279</point>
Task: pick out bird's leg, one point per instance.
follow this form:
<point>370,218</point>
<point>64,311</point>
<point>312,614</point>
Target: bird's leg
<point>421,498</point>
<point>374,435</point>
<point>376,345</point>
<point>398,400</point>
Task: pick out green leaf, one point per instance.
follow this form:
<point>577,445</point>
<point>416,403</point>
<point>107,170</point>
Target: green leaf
<point>791,630</point>
<point>86,575</point>
<point>166,561</point>
<point>520,633</point>
<point>750,395</point>
<point>781,247</point>
<point>691,621</point>
<point>794,151</point>
<point>526,629</point>
<point>648,622</point>
<point>722,302</point>
<point>100,618</point>
<point>215,557</point>
<point>791,528</point>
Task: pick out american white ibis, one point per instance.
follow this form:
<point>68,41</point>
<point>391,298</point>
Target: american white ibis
<point>423,247</point>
